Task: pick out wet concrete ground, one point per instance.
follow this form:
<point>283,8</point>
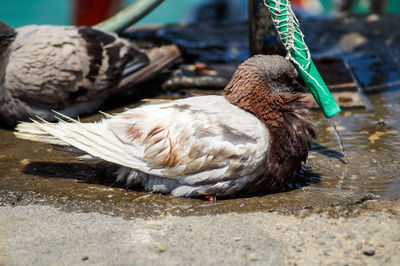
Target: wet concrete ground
<point>43,235</point>
<point>36,173</point>
<point>43,191</point>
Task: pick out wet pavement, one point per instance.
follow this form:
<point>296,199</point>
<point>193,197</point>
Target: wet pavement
<point>37,174</point>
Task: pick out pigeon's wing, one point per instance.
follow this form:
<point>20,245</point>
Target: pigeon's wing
<point>196,141</point>
<point>110,56</point>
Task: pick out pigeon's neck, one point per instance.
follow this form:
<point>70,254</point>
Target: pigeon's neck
<point>262,103</point>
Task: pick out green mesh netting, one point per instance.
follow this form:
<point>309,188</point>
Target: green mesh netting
<point>292,38</point>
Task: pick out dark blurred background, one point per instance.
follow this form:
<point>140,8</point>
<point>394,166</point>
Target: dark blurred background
<point>88,12</point>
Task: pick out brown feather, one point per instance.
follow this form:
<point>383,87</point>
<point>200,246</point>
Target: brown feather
<point>133,132</point>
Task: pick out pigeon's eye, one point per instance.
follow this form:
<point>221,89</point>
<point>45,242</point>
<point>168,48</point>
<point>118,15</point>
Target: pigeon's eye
<point>283,78</point>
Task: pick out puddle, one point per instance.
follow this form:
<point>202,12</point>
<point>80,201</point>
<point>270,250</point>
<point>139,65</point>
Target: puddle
<point>372,141</point>
<point>36,173</point>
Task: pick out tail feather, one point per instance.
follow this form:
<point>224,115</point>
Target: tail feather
<point>94,139</point>
<point>160,58</point>
<point>140,60</point>
<point>31,131</point>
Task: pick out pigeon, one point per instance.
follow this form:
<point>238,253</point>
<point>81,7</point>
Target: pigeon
<point>72,70</point>
<point>251,140</point>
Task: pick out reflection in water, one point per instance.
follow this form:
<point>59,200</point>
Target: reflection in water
<point>306,177</point>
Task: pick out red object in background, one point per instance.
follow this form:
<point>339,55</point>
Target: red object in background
<point>91,12</point>
<point>297,2</point>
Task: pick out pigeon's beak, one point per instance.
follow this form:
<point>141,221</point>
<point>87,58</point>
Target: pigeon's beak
<point>297,87</point>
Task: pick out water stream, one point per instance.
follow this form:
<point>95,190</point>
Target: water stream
<point>339,139</point>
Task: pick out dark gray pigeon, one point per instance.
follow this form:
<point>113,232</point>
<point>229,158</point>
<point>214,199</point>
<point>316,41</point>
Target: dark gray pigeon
<point>69,69</point>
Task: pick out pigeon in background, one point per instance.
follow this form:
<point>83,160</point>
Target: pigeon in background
<point>69,69</point>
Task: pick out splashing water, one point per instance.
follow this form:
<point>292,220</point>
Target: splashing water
<point>339,139</point>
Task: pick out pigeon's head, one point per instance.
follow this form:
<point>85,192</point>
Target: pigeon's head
<point>266,86</point>
<point>273,73</point>
<point>278,73</point>
<point>7,36</point>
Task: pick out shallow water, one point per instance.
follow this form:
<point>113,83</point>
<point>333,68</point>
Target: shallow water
<point>36,173</point>
<point>339,139</point>
<point>373,143</point>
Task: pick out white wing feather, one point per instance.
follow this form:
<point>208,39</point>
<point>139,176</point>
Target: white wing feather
<point>198,141</point>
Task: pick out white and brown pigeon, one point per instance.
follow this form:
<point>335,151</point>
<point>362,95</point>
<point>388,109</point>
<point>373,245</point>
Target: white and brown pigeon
<point>69,69</point>
<point>251,140</point>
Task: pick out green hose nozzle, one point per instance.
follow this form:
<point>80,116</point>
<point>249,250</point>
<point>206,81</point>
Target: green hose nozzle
<point>292,38</point>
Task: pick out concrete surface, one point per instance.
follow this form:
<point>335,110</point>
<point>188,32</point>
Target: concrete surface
<point>44,235</point>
